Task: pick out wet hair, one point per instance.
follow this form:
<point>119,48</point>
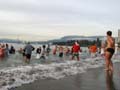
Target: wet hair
<point>109,33</point>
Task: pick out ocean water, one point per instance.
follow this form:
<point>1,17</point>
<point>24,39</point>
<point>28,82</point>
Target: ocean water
<point>15,72</point>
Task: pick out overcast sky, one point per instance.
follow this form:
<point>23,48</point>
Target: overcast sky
<point>48,19</point>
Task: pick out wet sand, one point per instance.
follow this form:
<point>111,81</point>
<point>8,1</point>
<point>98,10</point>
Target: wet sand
<point>93,79</point>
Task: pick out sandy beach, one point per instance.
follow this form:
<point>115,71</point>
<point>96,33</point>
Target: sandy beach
<point>93,79</point>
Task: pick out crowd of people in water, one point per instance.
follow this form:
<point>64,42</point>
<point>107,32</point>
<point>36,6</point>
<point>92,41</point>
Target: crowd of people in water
<point>45,50</point>
<point>5,50</point>
<point>61,51</point>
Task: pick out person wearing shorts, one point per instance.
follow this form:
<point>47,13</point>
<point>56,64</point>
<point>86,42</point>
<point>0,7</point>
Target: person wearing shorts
<point>28,51</point>
<point>75,51</point>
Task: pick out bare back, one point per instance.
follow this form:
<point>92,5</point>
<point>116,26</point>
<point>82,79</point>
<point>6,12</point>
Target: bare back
<point>110,42</point>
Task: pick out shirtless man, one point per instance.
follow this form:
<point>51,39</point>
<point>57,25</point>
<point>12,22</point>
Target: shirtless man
<point>109,51</point>
<point>75,51</point>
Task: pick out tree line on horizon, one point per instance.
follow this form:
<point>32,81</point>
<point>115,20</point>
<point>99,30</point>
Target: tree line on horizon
<point>83,43</point>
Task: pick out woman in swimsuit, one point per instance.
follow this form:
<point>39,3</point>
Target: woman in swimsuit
<point>109,51</point>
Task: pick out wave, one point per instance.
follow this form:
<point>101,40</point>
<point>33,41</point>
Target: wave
<point>11,77</point>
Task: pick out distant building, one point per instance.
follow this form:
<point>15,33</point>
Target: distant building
<point>118,40</point>
<point>118,35</point>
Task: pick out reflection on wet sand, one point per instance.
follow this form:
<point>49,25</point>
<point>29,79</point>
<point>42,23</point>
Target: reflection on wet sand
<point>109,81</point>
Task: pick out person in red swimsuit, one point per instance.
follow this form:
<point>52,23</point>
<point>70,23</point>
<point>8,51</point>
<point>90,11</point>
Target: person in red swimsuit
<point>75,51</point>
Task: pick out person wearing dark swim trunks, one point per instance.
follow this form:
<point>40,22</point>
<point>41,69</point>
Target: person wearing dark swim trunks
<point>109,51</point>
<point>61,52</point>
<point>75,51</point>
<point>28,51</point>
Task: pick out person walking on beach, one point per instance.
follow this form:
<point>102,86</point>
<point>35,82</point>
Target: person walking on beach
<point>28,51</point>
<point>109,51</point>
<point>75,51</point>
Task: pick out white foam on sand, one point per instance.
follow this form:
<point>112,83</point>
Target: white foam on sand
<point>16,76</point>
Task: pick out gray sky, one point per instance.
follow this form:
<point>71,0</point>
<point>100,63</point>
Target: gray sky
<point>48,19</point>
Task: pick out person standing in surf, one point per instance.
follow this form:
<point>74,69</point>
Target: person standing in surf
<point>93,50</point>
<point>75,51</point>
<point>2,51</point>
<point>109,51</point>
<point>102,49</point>
<point>38,52</point>
<point>61,49</point>
<point>55,50</point>
<point>28,51</point>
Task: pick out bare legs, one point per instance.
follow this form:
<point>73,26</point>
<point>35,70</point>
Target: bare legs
<point>109,64</point>
<point>77,58</point>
